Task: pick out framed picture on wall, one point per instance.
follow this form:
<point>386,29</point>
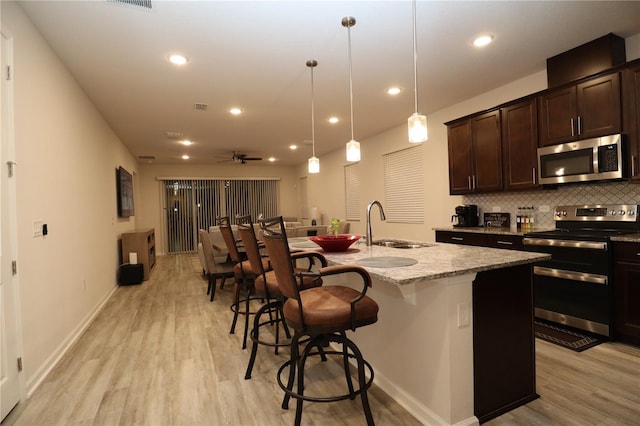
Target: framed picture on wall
<point>125,192</point>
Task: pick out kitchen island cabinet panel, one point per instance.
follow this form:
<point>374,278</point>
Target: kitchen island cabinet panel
<point>627,292</point>
<point>504,341</point>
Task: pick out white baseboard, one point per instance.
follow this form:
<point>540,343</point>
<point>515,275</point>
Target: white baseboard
<point>43,371</point>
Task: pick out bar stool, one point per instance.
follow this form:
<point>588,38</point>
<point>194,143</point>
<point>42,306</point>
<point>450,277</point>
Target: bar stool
<point>319,316</point>
<point>213,270</point>
<point>244,275</point>
<point>266,285</point>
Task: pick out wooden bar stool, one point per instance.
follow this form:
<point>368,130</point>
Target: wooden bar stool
<point>243,292</point>
<point>319,316</point>
<point>266,285</point>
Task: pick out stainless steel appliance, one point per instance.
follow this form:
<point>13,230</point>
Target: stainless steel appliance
<point>465,216</point>
<point>575,287</point>
<point>586,160</point>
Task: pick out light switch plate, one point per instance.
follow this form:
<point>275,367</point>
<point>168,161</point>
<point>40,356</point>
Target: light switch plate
<point>37,228</point>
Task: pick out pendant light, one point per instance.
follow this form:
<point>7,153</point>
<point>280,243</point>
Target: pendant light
<point>314,162</point>
<point>353,146</point>
<point>417,122</point>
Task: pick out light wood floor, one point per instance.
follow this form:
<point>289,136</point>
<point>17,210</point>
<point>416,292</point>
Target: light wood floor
<point>161,354</point>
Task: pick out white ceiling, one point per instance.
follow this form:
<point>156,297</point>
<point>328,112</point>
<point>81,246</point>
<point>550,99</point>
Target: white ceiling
<point>253,55</point>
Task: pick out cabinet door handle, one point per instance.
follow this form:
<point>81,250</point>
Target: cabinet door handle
<point>457,238</point>
<point>474,182</point>
<point>469,183</point>
<point>573,133</point>
<point>633,165</point>
<point>506,243</point>
<point>533,174</point>
<point>579,125</point>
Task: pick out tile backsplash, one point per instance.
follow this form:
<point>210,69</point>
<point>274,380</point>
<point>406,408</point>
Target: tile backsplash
<point>580,194</point>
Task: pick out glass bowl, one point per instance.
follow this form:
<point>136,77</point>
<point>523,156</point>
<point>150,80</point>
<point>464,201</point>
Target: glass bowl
<point>340,242</point>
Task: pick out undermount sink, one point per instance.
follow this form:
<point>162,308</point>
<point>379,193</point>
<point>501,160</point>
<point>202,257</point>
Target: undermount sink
<point>386,261</point>
<point>400,244</point>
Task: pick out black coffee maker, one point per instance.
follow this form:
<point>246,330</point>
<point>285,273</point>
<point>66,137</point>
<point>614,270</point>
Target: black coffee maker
<point>466,216</point>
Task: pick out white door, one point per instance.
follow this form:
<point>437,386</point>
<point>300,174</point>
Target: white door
<point>9,374</point>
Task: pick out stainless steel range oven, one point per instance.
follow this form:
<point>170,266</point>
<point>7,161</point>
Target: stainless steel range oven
<point>575,287</point>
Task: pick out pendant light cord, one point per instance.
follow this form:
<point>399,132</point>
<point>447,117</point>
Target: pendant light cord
<point>415,58</point>
<point>313,123</point>
<point>350,75</point>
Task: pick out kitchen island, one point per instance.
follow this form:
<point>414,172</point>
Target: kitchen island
<point>454,341</point>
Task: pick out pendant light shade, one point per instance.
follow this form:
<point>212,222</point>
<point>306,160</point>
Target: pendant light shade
<point>417,123</point>
<point>314,162</point>
<point>353,146</point>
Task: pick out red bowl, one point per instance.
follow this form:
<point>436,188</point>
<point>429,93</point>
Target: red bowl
<point>335,242</point>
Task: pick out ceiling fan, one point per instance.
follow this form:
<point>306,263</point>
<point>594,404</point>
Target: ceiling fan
<point>240,158</point>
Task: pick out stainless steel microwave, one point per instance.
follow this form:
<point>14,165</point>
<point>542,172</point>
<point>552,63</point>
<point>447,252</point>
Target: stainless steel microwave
<point>581,161</point>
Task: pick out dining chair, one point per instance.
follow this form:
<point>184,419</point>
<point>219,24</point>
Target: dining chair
<point>212,270</point>
<point>320,316</point>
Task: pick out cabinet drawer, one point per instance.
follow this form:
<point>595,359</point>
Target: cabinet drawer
<point>511,242</point>
<point>626,251</point>
<point>466,238</point>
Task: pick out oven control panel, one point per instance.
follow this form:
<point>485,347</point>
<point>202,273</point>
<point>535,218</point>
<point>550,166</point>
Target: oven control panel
<point>599,212</point>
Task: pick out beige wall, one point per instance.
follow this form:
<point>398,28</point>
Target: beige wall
<point>326,190</point>
<point>66,158</point>
<point>149,209</point>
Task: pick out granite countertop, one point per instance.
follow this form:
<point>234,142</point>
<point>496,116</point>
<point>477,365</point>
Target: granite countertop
<point>435,261</point>
<point>629,238</point>
<point>490,230</point>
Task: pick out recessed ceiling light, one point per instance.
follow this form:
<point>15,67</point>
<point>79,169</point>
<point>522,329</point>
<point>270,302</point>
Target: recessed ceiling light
<point>186,142</point>
<point>482,40</point>
<point>333,120</point>
<point>235,111</point>
<point>293,147</point>
<point>185,157</point>
<point>178,59</point>
<point>394,91</point>
<point>272,159</point>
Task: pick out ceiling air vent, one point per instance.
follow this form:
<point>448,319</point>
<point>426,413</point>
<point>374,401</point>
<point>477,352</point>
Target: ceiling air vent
<point>146,157</point>
<point>137,4</point>
<point>201,107</point>
<point>174,135</point>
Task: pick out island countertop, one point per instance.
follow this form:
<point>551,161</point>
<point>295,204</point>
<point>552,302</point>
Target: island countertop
<point>437,260</point>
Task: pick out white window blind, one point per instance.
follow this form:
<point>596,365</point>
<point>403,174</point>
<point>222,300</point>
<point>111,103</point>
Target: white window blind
<point>192,204</point>
<point>404,186</point>
<point>352,191</point>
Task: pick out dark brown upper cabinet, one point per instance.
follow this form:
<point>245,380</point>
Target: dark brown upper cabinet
<point>588,109</point>
<point>631,95</point>
<point>519,122</point>
<point>475,154</point>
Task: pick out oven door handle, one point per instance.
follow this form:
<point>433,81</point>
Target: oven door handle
<point>570,275</point>
<point>544,242</point>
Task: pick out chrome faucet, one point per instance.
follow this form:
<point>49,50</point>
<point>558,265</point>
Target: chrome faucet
<point>382,217</point>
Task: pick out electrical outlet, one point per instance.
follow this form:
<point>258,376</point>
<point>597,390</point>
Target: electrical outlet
<point>464,314</point>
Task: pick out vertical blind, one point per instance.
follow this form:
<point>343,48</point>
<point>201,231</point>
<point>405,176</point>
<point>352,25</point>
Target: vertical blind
<point>352,191</point>
<point>404,186</point>
<point>193,204</point>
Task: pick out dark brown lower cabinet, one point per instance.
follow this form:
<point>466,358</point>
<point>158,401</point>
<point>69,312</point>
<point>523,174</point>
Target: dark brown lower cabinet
<point>627,292</point>
<point>504,359</point>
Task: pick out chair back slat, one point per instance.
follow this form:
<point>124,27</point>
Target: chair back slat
<point>275,239</point>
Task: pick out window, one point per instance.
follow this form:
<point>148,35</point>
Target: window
<point>352,191</point>
<point>403,186</point>
<point>192,204</point>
